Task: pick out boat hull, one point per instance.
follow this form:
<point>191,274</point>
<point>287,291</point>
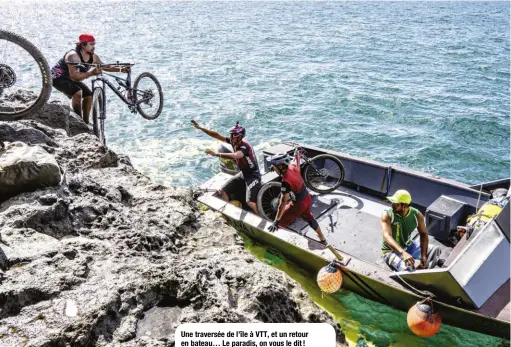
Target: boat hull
<point>371,288</point>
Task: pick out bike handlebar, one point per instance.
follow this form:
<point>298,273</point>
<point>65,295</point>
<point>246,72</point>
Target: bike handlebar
<point>291,143</point>
<point>99,65</point>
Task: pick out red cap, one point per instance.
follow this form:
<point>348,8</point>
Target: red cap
<point>86,38</point>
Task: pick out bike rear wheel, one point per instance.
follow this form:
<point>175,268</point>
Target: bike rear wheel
<point>99,114</point>
<point>22,66</point>
<point>147,88</point>
<point>324,174</point>
<point>268,200</point>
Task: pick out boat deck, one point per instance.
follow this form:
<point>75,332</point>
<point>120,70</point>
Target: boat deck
<point>350,221</point>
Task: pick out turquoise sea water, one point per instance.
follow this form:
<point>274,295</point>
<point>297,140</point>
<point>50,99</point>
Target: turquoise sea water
<point>423,85</point>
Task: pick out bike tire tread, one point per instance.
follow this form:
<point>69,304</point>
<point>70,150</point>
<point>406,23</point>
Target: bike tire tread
<point>45,71</point>
<point>155,80</point>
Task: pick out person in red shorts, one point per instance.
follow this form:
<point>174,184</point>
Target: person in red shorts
<point>292,182</point>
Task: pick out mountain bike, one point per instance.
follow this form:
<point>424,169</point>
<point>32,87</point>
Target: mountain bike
<point>139,98</point>
<point>323,174</point>
<point>22,68</point>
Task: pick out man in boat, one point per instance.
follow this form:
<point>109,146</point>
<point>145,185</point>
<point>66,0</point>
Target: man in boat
<point>292,182</point>
<point>398,223</point>
<point>68,79</point>
<point>249,179</point>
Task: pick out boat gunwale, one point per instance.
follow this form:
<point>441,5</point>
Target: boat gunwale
<point>411,172</point>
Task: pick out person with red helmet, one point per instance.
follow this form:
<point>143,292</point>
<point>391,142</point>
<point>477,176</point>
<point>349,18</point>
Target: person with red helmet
<point>68,79</point>
<point>295,200</point>
<point>249,179</point>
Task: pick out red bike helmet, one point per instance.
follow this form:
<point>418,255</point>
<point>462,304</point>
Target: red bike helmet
<point>237,130</point>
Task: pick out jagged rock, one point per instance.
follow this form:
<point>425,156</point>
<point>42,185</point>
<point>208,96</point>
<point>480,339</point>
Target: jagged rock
<point>12,132</point>
<point>16,99</point>
<point>59,116</point>
<point>25,168</point>
<point>88,262</point>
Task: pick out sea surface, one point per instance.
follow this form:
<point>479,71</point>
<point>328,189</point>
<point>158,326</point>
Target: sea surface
<point>423,85</point>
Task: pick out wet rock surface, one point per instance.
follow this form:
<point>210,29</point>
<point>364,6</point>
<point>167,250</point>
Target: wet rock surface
<point>85,262</point>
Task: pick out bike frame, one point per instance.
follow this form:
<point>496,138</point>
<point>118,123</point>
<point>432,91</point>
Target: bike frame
<point>127,87</point>
<point>123,86</point>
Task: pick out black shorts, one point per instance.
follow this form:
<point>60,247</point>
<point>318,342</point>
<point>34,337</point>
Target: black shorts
<point>238,185</point>
<point>70,87</point>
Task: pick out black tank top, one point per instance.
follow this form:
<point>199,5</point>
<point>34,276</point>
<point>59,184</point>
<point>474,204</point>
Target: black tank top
<point>61,69</point>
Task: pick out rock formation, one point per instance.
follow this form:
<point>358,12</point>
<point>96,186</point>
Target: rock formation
<point>86,260</point>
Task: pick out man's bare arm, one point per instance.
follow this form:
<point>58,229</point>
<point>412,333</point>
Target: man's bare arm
<point>237,155</point>
<point>74,73</point>
<point>387,233</point>
<point>97,60</point>
<point>211,133</point>
<point>423,233</point>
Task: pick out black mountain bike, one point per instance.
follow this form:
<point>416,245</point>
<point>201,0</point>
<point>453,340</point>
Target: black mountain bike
<point>145,96</point>
<point>22,68</point>
<point>323,174</point>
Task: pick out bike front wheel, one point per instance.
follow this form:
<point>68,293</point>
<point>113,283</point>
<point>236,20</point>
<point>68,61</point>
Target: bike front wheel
<point>148,95</point>
<point>99,114</point>
<point>25,77</point>
<point>268,200</point>
<point>323,174</point>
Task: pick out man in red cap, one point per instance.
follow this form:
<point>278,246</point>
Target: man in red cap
<point>68,78</point>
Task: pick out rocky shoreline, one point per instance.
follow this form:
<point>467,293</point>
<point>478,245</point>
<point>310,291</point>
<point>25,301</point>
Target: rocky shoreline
<point>85,260</point>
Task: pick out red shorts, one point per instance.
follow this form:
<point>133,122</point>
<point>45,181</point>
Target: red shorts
<point>301,209</point>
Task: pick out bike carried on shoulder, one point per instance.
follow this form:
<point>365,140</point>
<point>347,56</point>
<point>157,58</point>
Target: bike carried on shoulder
<point>144,97</point>
<point>22,67</point>
<point>322,174</point>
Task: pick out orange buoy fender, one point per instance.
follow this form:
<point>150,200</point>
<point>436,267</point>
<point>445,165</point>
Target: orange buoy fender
<point>330,278</point>
<point>423,320</point>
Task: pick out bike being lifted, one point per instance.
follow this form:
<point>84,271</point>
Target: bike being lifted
<point>322,174</point>
<point>23,69</point>
<point>145,96</point>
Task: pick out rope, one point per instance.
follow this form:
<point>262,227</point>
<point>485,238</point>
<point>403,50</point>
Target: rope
<point>424,293</point>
